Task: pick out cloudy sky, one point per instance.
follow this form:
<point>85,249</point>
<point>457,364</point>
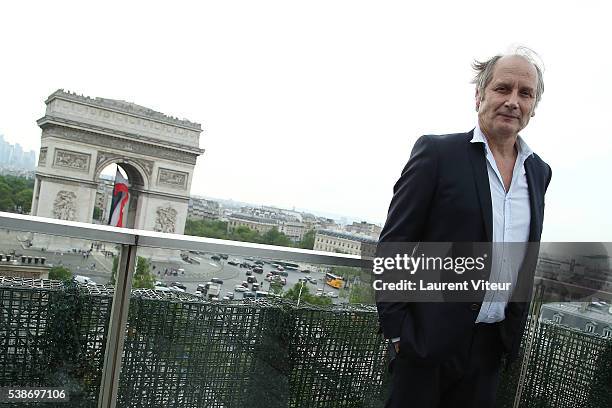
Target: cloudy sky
<point>317,104</point>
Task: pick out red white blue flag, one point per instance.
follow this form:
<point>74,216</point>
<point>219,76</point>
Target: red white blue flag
<point>120,198</point>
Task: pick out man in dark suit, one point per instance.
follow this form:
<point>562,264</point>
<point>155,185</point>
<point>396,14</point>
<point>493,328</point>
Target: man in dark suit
<point>485,185</point>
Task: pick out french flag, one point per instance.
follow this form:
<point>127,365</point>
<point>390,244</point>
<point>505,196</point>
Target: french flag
<point>120,198</point>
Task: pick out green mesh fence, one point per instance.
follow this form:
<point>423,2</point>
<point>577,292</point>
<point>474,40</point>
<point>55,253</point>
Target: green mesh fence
<point>183,351</point>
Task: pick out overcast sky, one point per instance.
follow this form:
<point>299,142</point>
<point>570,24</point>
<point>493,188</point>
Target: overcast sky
<point>317,104</point>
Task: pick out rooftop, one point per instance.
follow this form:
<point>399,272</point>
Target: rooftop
<point>123,106</point>
<point>345,235</point>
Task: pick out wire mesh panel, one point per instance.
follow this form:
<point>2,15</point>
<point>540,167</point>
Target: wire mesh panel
<point>337,358</point>
<point>183,351</point>
<point>53,335</point>
<point>568,368</point>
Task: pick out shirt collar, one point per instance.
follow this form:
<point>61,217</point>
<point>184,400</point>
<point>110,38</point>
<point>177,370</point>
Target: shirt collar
<point>524,150</point>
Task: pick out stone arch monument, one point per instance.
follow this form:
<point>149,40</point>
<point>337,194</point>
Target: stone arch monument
<point>82,135</point>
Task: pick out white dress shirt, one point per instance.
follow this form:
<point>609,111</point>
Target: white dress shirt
<point>511,219</point>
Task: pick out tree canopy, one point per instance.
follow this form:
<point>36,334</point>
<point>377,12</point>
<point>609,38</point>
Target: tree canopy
<point>16,194</point>
<point>219,230</point>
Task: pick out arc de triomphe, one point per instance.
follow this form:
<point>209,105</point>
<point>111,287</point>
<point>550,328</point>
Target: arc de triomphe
<point>82,135</point>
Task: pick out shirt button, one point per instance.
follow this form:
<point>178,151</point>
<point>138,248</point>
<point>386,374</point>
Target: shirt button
<point>474,306</point>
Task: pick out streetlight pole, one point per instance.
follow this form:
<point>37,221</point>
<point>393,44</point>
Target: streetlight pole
<point>300,294</point>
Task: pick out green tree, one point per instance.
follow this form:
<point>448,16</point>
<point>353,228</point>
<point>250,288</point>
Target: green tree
<point>206,228</point>
<point>276,287</point>
<point>274,237</point>
<point>23,199</point>
<point>308,239</point>
<point>113,278</point>
<point>245,234</point>
<point>143,278</point>
<point>6,203</point>
<point>305,296</point>
<point>60,273</point>
<point>360,293</point>
<point>15,192</point>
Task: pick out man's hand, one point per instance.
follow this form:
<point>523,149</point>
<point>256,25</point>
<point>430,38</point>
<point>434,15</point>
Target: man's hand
<point>396,345</point>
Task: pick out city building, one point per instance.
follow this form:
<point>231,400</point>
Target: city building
<point>593,317</point>
<point>13,157</point>
<point>364,228</point>
<point>262,225</point>
<point>293,229</point>
<point>201,208</point>
<point>31,267</point>
<point>104,197</point>
<point>342,242</point>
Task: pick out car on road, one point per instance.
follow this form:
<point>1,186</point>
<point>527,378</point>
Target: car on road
<point>230,295</point>
<point>178,285</point>
<point>213,291</point>
<point>261,294</point>
<point>223,256</point>
<point>249,295</point>
<point>215,258</point>
<point>280,268</point>
<point>84,279</point>
<point>217,280</point>
<point>240,288</point>
<point>332,294</point>
<point>255,287</point>
<point>258,269</point>
<point>232,262</point>
<point>258,262</point>
<point>160,283</point>
<point>305,271</point>
<point>249,273</point>
<point>283,273</point>
<point>245,284</point>
<point>277,278</point>
<point>251,279</point>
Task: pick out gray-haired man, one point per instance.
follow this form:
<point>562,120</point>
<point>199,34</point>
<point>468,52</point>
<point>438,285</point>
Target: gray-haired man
<point>485,185</point>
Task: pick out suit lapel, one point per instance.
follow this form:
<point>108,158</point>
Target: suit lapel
<point>535,192</point>
<point>481,178</point>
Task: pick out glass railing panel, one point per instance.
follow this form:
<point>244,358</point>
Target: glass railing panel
<point>207,328</point>
<point>55,305</point>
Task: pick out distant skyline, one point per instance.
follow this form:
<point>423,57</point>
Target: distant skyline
<point>317,105</point>
<point>13,155</point>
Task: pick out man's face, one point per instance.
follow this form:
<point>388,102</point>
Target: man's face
<point>509,99</point>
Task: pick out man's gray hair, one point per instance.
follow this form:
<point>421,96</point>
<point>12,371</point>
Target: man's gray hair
<point>484,70</point>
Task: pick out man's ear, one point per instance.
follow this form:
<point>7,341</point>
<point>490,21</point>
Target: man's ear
<point>477,97</point>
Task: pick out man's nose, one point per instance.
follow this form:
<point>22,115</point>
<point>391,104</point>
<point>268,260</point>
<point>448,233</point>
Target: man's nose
<point>512,101</point>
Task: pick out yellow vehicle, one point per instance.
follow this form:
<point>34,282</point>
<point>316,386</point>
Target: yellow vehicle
<point>334,281</point>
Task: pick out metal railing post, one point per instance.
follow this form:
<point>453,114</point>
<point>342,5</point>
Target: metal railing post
<point>109,383</point>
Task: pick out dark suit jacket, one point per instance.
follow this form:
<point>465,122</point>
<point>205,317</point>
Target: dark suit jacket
<point>443,195</point>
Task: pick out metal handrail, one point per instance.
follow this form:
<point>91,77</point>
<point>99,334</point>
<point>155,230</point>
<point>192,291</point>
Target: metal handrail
<point>153,239</point>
